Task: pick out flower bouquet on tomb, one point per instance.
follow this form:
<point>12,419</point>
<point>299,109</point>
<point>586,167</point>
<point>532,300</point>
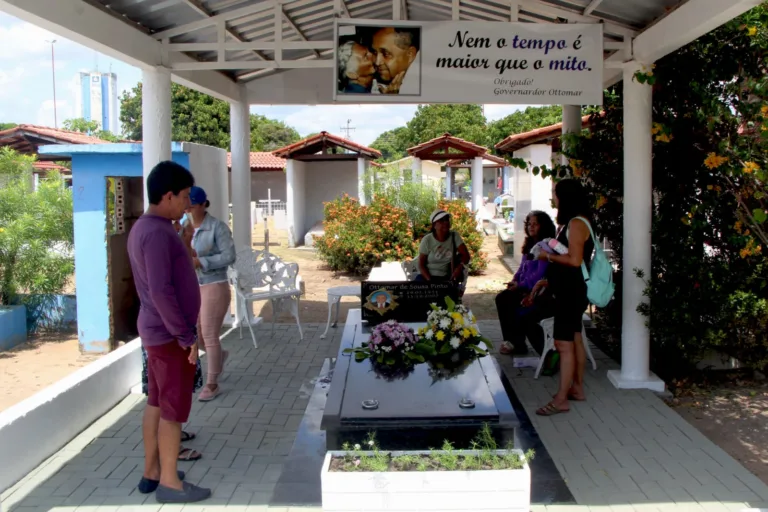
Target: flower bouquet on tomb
<point>394,346</point>
<point>455,335</point>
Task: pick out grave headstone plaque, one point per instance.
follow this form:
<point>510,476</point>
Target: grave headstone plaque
<point>404,301</point>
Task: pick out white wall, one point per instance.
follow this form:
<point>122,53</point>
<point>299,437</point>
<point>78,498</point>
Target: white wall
<point>261,181</point>
<point>531,192</point>
<point>36,428</point>
<point>489,182</point>
<point>325,181</point>
<point>209,167</point>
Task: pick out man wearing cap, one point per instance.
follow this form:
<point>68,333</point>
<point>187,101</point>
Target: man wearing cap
<point>442,252</point>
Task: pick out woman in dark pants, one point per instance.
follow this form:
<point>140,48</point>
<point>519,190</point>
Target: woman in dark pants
<point>566,283</point>
<point>517,321</point>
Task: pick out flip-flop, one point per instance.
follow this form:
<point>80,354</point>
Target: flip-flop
<point>187,436</point>
<point>189,457</point>
<point>550,410</point>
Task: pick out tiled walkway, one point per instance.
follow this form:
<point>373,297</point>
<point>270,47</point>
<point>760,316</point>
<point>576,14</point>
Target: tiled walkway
<point>626,450</point>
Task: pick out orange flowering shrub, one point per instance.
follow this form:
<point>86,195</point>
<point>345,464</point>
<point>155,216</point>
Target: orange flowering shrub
<point>357,238</point>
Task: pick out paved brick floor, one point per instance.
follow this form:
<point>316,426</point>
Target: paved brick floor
<point>623,450</point>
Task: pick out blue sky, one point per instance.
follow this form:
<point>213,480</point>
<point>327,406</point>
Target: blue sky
<point>26,90</point>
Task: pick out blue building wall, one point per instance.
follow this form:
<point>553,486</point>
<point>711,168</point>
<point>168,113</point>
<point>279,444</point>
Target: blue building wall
<point>89,193</point>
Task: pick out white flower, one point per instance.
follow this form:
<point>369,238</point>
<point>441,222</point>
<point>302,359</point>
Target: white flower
<point>455,342</point>
<point>445,323</point>
<point>370,442</point>
<point>429,334</point>
<point>357,447</point>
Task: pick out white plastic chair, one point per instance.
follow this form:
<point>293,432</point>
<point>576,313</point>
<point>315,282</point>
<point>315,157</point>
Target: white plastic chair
<point>548,325</point>
<point>257,275</point>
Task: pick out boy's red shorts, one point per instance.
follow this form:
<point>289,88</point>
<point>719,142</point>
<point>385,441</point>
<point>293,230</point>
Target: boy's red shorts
<point>171,379</point>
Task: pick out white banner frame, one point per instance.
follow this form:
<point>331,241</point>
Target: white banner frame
<point>432,84</point>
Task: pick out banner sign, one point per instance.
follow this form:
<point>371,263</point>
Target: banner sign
<point>468,62</point>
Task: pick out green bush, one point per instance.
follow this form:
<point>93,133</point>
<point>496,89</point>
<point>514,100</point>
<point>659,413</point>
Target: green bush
<point>707,288</point>
<point>357,238</point>
<point>36,230</point>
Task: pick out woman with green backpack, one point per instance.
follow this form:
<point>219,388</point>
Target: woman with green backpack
<point>566,282</point>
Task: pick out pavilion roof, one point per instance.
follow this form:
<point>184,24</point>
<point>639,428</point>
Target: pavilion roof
<point>262,161</point>
<point>26,138</point>
<point>322,143</point>
<point>447,147</point>
<point>492,159</point>
<point>547,133</point>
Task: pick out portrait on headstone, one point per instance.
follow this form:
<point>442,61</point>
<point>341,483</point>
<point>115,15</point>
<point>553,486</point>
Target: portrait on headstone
<point>381,301</point>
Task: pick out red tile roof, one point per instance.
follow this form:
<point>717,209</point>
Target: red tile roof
<point>54,135</point>
<point>443,142</point>
<point>46,166</point>
<point>521,140</point>
<point>262,161</point>
<point>317,142</point>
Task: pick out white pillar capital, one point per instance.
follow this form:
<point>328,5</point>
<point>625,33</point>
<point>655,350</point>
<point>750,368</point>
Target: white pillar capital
<point>416,170</point>
<point>477,184</point>
<point>362,167</point>
<point>448,182</point>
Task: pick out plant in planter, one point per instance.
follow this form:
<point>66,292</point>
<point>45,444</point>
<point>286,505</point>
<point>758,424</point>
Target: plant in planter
<point>366,478</point>
<point>393,344</point>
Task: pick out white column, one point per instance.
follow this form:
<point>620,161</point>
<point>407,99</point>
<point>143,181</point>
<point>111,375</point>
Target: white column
<point>416,170</point>
<point>362,165</point>
<point>638,212</point>
<point>477,183</point>
<point>448,182</point>
<point>290,202</point>
<point>571,124</point>
<point>156,124</point>
<point>240,129</point>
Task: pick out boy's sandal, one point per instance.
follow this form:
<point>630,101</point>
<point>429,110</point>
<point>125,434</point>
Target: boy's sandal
<point>550,410</point>
<point>188,454</point>
<point>187,436</point>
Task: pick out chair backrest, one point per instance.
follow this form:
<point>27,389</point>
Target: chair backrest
<point>258,269</point>
<point>411,269</point>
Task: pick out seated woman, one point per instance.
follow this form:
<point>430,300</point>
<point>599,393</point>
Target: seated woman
<point>519,321</point>
<point>442,253</point>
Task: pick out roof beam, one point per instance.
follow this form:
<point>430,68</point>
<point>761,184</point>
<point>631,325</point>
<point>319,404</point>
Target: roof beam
<point>404,10</point>
<point>589,9</point>
<point>513,10</point>
<point>551,11</point>
<point>252,64</point>
<point>250,45</point>
<point>213,20</point>
<point>296,30</point>
<point>455,10</point>
<point>101,31</point>
<point>199,8</point>
<point>397,6</point>
<point>685,24</point>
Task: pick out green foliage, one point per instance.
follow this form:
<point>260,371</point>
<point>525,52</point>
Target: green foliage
<point>392,144</point>
<point>7,126</point>
<point>369,457</point>
<point>92,128</point>
<point>357,238</point>
<point>36,230</point>
<point>269,134</point>
<point>708,288</point>
<point>524,121</point>
<point>463,121</point>
<point>203,119</point>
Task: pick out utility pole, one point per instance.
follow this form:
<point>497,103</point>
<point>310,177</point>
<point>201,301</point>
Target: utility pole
<point>53,74</point>
<point>348,128</point>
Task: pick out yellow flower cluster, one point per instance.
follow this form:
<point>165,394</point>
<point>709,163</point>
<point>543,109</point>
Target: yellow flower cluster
<point>750,167</point>
<point>601,200</point>
<point>716,188</point>
<point>751,31</point>
<point>752,249</point>
<point>713,161</point>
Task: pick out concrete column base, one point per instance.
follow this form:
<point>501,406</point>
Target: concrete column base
<point>652,382</point>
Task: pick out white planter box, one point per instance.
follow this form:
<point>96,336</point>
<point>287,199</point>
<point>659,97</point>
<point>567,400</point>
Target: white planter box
<point>506,490</point>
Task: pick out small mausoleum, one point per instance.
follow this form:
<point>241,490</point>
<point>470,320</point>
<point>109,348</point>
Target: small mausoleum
<point>108,197</point>
<point>319,169</point>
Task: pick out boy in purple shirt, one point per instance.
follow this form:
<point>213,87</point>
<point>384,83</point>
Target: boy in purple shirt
<point>170,303</point>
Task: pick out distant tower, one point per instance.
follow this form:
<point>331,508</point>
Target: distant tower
<point>97,99</point>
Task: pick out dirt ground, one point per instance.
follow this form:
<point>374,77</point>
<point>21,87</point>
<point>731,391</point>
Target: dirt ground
<point>734,416</point>
<point>36,364</point>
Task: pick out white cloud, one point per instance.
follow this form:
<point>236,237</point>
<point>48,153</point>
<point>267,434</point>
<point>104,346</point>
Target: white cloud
<point>23,40</point>
<point>45,114</point>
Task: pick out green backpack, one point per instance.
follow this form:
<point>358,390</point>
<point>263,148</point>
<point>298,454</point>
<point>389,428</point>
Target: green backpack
<point>599,278</point>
